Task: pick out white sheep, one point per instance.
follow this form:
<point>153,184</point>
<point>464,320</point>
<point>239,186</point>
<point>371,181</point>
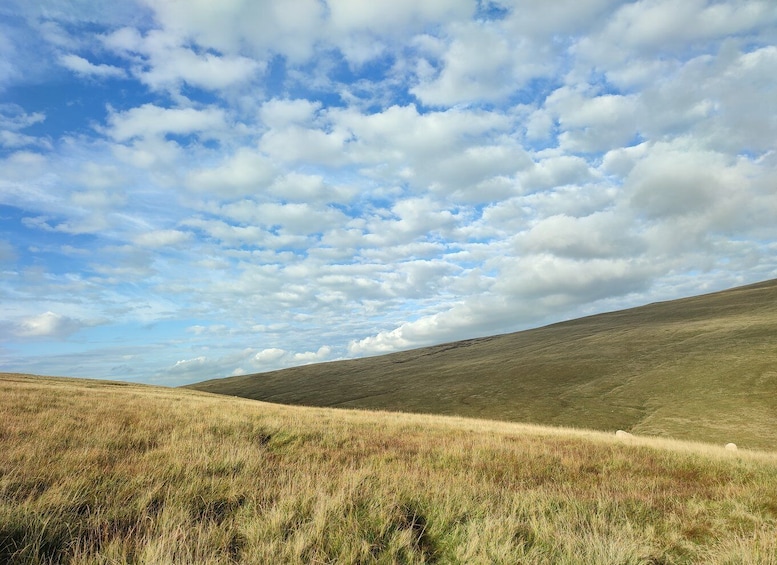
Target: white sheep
<point>731,446</point>
<point>622,434</point>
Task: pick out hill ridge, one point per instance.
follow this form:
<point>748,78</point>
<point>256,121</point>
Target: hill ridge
<point>699,368</point>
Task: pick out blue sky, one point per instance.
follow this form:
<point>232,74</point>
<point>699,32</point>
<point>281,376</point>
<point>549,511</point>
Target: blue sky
<point>199,189</point>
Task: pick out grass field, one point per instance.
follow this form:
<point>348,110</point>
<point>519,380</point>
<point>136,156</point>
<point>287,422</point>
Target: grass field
<point>98,472</point>
<point>701,368</point>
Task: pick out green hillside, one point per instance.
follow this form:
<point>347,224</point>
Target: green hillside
<point>93,472</point>
<point>701,368</point>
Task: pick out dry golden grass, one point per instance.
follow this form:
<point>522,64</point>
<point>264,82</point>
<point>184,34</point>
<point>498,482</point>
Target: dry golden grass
<point>96,472</point>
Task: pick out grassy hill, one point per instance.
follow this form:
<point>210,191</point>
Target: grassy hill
<point>701,368</point>
<point>99,472</point>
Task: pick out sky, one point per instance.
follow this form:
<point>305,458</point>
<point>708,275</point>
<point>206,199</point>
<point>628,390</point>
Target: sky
<point>198,189</point>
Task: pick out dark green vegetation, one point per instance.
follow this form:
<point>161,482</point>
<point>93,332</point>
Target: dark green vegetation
<point>94,473</point>
<point>701,368</point>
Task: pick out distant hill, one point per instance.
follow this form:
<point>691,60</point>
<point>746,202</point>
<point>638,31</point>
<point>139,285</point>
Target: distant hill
<point>701,368</point>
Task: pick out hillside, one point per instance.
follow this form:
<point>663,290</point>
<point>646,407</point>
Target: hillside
<point>99,472</point>
<point>701,368</point>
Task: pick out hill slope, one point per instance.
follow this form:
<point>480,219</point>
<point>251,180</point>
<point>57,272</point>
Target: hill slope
<point>97,472</point>
<point>701,368</point>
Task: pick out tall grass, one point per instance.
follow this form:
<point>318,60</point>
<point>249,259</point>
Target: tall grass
<point>96,473</point>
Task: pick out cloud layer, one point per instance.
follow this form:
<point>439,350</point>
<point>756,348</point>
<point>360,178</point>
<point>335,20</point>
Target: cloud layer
<point>193,190</point>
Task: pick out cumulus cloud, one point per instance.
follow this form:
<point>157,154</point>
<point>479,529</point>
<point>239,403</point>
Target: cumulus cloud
<point>205,71</point>
<point>662,185</point>
<point>602,234</point>
<point>162,238</point>
<point>293,218</point>
<point>322,354</point>
<point>13,116</point>
<point>245,172</point>
<point>291,29</point>
<point>270,355</point>
<point>299,187</point>
<point>84,67</point>
<point>151,120</point>
<point>279,113</point>
<point>47,325</point>
<point>13,119</point>
<point>593,124</point>
<point>275,357</point>
<point>385,16</point>
<point>662,25</point>
<point>298,144</point>
<point>468,77</point>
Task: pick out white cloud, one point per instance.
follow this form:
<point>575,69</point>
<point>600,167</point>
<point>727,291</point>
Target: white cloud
<point>13,140</point>
<point>662,24</point>
<point>9,71</point>
<point>529,291</point>
<point>164,59</point>
<point>479,173</point>
<point>673,180</point>
<point>151,120</point>
<point>705,98</point>
<point>277,113</point>
<point>226,233</point>
<point>645,39</point>
<point>298,187</point>
<point>363,31</point>
<point>247,171</point>
<point>400,141</point>
<point>291,28</point>
<point>552,172</point>
<point>13,119</point>
<point>549,19</point>
<point>566,281</point>
<point>97,200</point>
<point>83,67</point>
<point>48,325</point>
<point>388,15</point>
<point>582,238</point>
<point>270,355</point>
<point>104,177</point>
<point>322,354</point>
<point>468,76</point>
<point>410,219</point>
<point>295,218</point>
<point>162,238</point>
<point>207,71</point>
<point>78,224</point>
<point>301,144</point>
<point>465,319</point>
<point>154,154</point>
<point>593,124</point>
<point>189,370</point>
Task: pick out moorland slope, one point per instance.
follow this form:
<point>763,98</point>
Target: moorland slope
<point>700,368</point>
<point>99,472</point>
